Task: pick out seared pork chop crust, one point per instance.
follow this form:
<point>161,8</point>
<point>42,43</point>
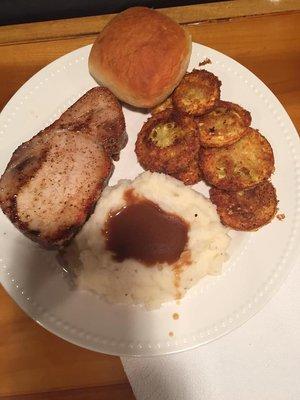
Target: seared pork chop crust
<point>100,113</point>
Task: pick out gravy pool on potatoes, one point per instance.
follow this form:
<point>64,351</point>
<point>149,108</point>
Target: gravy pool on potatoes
<point>143,231</point>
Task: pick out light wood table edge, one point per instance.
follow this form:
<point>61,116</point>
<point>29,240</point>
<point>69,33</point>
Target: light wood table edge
<point>76,394</point>
<point>67,28</point>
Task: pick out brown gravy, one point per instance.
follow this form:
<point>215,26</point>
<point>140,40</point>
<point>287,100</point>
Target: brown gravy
<point>143,231</point>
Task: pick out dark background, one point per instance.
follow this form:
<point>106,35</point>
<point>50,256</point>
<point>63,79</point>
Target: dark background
<point>19,11</point>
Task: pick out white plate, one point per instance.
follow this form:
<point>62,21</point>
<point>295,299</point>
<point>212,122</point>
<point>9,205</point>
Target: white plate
<point>259,261</point>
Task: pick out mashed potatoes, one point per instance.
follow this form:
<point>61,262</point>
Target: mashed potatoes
<point>131,281</point>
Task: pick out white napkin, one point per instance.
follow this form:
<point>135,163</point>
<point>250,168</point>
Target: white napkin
<point>258,361</point>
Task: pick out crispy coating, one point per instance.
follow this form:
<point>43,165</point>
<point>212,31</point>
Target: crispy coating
<point>167,143</point>
<point>165,105</point>
<point>224,125</point>
<point>246,210</point>
<point>191,175</point>
<point>242,165</point>
<point>197,93</point>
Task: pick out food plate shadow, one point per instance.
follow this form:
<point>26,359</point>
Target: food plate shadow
<point>45,284</point>
<point>135,109</point>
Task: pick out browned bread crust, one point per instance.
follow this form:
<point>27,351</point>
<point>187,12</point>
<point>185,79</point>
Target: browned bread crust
<point>141,56</point>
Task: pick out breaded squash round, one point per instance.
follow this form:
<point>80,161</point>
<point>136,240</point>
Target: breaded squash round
<point>167,143</point>
<point>191,175</point>
<point>224,125</point>
<point>242,165</point>
<point>165,105</point>
<point>246,210</point>
<point>197,93</point>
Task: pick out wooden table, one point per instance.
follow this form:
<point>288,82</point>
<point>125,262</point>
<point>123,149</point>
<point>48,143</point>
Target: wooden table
<point>262,35</point>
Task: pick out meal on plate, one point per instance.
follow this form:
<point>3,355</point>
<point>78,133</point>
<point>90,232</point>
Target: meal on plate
<point>148,241</point>
<point>53,181</point>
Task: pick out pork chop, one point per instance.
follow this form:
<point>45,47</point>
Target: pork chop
<point>100,113</point>
<point>52,182</point>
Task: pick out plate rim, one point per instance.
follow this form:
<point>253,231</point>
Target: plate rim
<point>11,289</point>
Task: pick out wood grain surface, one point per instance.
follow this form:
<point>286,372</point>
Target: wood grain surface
<point>183,15</point>
<point>35,364</point>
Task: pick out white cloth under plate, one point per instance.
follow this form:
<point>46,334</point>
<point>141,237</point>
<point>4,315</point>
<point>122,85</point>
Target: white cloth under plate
<point>260,360</point>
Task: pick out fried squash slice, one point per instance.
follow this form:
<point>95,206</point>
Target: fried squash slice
<point>246,210</point>
<point>224,125</point>
<point>197,93</point>
<point>167,143</point>
<point>165,105</point>
<point>191,175</point>
<point>242,165</point>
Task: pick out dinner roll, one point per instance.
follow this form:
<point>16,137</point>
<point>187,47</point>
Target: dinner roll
<point>141,56</point>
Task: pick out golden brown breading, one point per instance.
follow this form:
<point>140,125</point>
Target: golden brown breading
<point>165,105</point>
<point>242,165</point>
<point>167,143</point>
<point>191,175</point>
<point>197,93</point>
<point>246,210</point>
<point>224,125</point>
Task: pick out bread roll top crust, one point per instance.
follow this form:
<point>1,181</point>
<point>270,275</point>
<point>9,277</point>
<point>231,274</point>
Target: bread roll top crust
<point>141,56</point>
